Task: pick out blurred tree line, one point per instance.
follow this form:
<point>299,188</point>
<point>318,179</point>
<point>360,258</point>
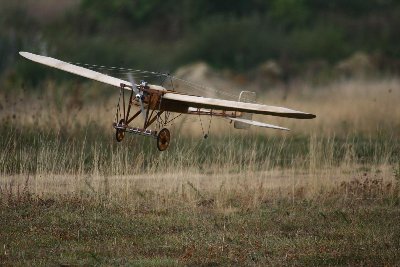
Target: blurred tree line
<point>237,35</point>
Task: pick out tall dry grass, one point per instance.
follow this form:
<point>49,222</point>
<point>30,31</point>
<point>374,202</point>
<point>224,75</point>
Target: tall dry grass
<point>60,141</point>
<point>229,169</point>
<point>368,107</point>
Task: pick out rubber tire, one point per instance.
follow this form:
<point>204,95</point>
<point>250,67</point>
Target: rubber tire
<point>163,139</point>
<point>119,133</point>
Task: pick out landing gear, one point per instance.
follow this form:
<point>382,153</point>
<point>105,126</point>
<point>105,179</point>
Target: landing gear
<point>149,102</point>
<point>120,133</point>
<point>163,139</point>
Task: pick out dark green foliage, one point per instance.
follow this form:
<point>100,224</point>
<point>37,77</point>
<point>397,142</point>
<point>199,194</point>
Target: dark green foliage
<point>162,35</point>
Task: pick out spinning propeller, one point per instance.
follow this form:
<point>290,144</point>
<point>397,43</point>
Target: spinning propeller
<point>138,94</point>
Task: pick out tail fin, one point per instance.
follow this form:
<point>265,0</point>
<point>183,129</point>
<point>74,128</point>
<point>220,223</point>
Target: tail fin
<point>248,97</point>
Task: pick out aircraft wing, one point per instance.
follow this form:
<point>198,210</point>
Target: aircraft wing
<point>228,105</point>
<point>173,99</point>
<point>74,69</point>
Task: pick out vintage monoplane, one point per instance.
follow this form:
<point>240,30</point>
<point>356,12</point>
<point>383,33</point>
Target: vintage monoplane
<point>155,103</point>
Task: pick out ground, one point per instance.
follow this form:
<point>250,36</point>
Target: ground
<point>81,230</point>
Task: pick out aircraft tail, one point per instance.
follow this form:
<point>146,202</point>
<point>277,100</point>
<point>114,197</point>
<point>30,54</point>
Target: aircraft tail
<point>248,97</point>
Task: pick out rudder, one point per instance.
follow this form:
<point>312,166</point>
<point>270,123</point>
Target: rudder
<point>247,97</point>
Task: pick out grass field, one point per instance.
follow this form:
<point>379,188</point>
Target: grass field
<point>327,193</point>
<point>327,230</point>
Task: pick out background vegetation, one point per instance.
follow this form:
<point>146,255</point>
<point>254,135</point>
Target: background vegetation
<point>162,35</point>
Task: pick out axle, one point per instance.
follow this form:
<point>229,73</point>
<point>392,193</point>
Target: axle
<point>134,130</point>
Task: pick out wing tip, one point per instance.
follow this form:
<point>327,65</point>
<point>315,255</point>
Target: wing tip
<point>23,53</point>
<point>306,116</point>
<point>26,55</point>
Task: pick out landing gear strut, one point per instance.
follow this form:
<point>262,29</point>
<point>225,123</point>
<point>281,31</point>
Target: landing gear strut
<point>149,103</point>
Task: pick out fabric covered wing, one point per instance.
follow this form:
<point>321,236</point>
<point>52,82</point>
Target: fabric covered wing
<point>174,99</point>
<point>183,102</point>
<point>68,67</point>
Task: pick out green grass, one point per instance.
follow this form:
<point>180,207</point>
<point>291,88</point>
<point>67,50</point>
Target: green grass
<point>81,231</point>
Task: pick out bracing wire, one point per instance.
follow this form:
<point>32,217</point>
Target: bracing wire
<point>122,72</point>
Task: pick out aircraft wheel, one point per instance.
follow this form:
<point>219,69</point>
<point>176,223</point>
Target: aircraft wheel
<point>120,133</point>
<point>163,139</point>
